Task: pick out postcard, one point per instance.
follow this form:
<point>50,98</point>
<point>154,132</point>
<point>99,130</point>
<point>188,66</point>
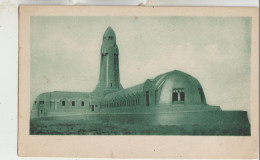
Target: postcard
<point>138,82</point>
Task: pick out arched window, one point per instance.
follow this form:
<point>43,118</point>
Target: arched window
<point>201,95</point>
<point>182,96</point>
<point>178,96</point>
<point>175,97</point>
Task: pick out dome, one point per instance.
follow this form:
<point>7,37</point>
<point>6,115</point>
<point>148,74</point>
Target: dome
<point>109,40</point>
<point>177,81</point>
<point>109,32</point>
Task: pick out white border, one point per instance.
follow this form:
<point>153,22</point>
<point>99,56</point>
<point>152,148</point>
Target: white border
<point>9,56</point>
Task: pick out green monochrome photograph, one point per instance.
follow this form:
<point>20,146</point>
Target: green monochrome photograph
<point>140,75</point>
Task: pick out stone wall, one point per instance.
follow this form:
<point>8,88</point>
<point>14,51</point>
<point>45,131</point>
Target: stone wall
<point>178,118</point>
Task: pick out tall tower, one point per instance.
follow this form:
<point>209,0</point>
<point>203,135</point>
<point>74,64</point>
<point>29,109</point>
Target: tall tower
<point>109,66</point>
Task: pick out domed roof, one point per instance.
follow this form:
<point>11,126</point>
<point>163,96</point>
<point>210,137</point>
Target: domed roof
<point>178,80</point>
<point>175,75</point>
<point>109,32</point>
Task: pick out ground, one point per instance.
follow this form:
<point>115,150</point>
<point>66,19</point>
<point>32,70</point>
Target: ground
<point>87,127</point>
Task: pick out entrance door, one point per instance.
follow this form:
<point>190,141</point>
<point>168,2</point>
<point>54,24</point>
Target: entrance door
<point>147,98</point>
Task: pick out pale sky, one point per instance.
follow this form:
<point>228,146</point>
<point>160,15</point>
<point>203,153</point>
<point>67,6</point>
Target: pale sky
<point>65,53</point>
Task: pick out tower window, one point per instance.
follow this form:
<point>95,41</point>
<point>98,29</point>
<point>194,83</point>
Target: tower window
<point>110,37</point>
<point>73,103</point>
<point>111,84</point>
<point>63,103</point>
<point>41,102</point>
<point>82,103</point>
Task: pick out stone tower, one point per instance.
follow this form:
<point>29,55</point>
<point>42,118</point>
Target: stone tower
<point>109,65</point>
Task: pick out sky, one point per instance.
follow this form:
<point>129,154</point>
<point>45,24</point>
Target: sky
<point>65,53</point>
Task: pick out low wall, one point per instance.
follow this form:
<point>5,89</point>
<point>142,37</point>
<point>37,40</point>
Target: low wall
<point>173,118</point>
<point>181,115</point>
<point>178,123</point>
<point>178,118</point>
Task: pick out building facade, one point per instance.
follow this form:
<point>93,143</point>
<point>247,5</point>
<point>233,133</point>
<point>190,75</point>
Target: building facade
<point>174,89</point>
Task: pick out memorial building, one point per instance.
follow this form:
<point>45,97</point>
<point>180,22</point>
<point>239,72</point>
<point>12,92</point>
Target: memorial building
<point>171,89</point>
